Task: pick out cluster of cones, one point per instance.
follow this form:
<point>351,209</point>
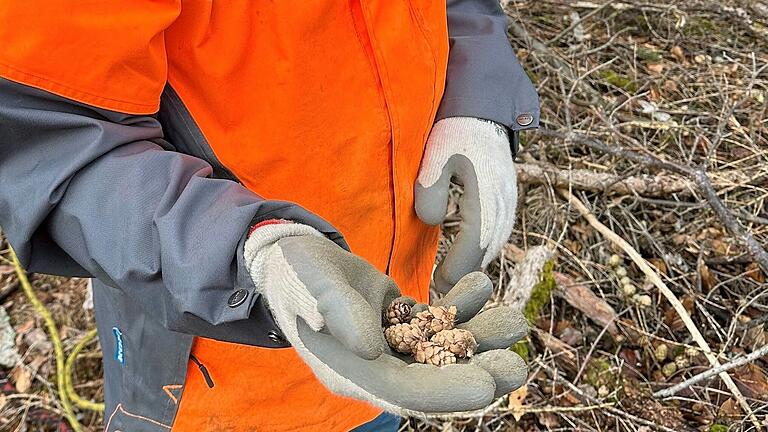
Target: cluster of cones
<point>430,335</point>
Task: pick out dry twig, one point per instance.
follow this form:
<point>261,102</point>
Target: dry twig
<point>741,361</point>
<point>615,411</point>
<point>646,268</point>
<point>697,175</point>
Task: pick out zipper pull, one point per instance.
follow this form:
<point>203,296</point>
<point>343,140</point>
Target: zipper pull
<point>203,370</point>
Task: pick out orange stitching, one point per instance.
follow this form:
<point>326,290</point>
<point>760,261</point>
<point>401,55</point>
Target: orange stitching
<point>129,414</point>
<point>110,417</point>
<point>167,389</point>
<point>147,419</point>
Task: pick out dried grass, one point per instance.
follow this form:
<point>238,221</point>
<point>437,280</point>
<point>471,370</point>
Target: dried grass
<point>682,81</point>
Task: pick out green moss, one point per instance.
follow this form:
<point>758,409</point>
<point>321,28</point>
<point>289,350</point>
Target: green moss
<point>701,27</point>
<point>521,349</point>
<point>532,76</point>
<point>618,80</point>
<point>649,55</point>
<point>718,428</point>
<point>678,350</point>
<point>540,295</point>
<point>546,20</point>
<point>598,374</point>
<point>541,292</point>
<point>523,140</point>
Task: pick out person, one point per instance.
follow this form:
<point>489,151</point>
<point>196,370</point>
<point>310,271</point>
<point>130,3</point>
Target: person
<point>249,183</point>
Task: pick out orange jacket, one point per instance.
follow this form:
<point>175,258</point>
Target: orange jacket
<point>326,104</point>
<point>332,113</point>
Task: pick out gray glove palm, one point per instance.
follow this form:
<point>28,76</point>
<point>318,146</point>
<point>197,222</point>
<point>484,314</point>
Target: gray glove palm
<point>329,304</point>
<point>476,154</point>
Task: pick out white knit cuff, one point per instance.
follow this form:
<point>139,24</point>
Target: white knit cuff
<point>468,136</point>
<point>261,239</point>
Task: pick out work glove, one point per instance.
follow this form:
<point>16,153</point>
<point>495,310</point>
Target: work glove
<point>476,154</point>
<point>329,304</point>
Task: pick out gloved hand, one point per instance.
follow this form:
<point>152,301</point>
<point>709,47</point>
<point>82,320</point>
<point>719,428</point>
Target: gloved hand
<point>475,153</point>
<point>329,304</point>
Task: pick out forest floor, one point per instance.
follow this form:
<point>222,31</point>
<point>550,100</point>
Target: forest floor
<point>638,253</point>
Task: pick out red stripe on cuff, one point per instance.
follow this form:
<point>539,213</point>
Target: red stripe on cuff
<point>268,222</point>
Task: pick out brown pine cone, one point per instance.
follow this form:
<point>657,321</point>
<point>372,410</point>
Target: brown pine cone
<point>433,354</point>
<point>397,313</point>
<point>403,337</point>
<point>435,319</point>
<point>458,341</point>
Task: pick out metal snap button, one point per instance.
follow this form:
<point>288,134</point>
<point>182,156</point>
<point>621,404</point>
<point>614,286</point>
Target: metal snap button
<point>275,336</point>
<point>525,119</point>
<point>237,298</point>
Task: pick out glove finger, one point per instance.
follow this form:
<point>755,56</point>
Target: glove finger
<point>352,315</point>
<point>465,254</point>
<point>505,219</point>
<point>469,295</point>
<point>419,307</point>
<point>351,319</point>
<point>499,235</point>
<point>389,380</point>
<point>507,369</point>
<point>431,203</point>
<point>464,257</point>
<point>496,328</point>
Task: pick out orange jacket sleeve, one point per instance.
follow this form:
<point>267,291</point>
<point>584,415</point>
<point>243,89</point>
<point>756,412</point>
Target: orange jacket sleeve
<point>108,54</point>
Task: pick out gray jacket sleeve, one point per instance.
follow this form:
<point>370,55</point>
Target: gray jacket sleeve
<point>91,192</point>
<point>484,77</point>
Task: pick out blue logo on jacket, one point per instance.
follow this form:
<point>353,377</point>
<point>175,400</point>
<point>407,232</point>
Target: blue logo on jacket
<point>119,354</point>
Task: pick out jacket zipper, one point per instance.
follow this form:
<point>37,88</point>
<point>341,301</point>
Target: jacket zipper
<point>203,370</point>
<point>387,109</point>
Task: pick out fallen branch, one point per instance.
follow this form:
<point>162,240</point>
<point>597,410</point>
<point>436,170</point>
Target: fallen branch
<point>574,293</point>
<point>560,409</point>
<point>562,352</point>
<point>50,324</point>
<point>539,173</point>
<point>741,361</point>
<point>525,276</point>
<point>607,183</point>
<point>579,21</point>
<point>8,290</point>
<point>654,278</point>
<point>697,175</point>
<point>583,299</point>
